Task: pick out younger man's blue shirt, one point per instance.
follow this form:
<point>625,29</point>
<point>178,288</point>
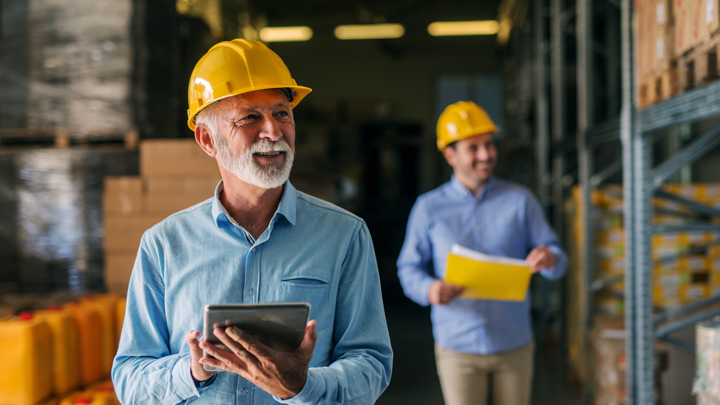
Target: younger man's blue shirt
<point>505,220</point>
<point>311,252</point>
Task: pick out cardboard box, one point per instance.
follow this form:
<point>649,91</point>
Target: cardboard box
<point>169,204</point>
<point>170,148</point>
<point>180,166</point>
<point>125,241</point>
<point>119,222</point>
<point>118,268</point>
<point>174,185</point>
<point>123,195</point>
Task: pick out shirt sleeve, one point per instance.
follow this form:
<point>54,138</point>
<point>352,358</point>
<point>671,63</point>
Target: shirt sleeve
<point>144,371</point>
<point>540,233</point>
<point>415,260</point>
<point>362,357</point>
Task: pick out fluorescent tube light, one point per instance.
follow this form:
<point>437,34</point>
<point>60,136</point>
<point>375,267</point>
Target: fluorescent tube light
<point>449,28</point>
<point>369,31</point>
<point>285,34</point>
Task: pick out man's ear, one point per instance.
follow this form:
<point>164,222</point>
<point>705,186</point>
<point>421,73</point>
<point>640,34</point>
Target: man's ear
<point>205,140</point>
<point>449,154</point>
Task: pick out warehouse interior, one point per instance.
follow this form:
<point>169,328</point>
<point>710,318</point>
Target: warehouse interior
<point>609,112</point>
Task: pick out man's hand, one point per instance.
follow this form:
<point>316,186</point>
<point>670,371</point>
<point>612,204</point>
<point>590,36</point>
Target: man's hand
<point>541,258</point>
<point>277,372</point>
<point>442,292</point>
<point>196,353</point>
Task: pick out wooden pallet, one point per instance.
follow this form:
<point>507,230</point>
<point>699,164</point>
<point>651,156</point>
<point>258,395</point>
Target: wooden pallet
<point>699,65</point>
<point>64,138</point>
<point>658,86</point>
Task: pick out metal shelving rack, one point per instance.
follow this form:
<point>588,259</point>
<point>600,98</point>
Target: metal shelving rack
<point>641,182</point>
<point>634,130</point>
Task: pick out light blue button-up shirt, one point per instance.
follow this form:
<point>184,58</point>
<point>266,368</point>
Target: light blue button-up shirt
<point>312,252</point>
<point>505,220</point>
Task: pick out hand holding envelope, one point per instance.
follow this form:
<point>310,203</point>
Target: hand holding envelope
<point>487,277</point>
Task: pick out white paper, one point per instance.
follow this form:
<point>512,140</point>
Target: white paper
<point>482,257</point>
<point>709,11</point>
<point>660,11</point>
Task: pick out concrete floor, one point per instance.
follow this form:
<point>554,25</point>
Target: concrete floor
<point>414,380</point>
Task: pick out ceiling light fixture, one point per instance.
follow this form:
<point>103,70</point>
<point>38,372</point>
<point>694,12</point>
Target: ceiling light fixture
<point>452,28</point>
<point>285,34</point>
<point>369,31</point>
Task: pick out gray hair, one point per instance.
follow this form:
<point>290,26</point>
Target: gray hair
<point>208,117</point>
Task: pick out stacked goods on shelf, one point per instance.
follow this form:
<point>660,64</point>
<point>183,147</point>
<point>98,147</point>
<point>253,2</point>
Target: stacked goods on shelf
<point>608,353</point>
<point>49,354</point>
<point>607,345</point>
<point>686,264</point>
<point>707,375</point>
<point>697,40</point>
<point>174,175</point>
<point>656,62</point>
<point>676,44</point>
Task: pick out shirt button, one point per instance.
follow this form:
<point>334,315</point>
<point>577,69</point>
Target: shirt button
<point>477,227</point>
<point>244,391</point>
<point>253,249</point>
<point>485,321</point>
<point>251,291</point>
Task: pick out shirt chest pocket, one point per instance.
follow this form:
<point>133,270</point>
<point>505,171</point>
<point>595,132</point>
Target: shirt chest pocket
<point>311,288</point>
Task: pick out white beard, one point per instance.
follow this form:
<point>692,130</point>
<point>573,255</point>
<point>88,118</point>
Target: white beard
<point>243,166</point>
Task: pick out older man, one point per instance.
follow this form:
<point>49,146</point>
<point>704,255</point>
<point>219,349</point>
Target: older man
<point>476,338</point>
<point>257,240</point>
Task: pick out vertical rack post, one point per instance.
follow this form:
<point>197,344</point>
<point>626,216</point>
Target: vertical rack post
<point>584,105</point>
<point>541,105</point>
<point>627,129</point>
<point>643,331</point>
<point>558,110</point>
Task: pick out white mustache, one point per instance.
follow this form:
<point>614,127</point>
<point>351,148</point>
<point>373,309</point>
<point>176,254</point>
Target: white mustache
<point>266,146</point>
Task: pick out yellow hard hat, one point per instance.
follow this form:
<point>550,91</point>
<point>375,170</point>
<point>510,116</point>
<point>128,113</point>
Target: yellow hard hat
<point>237,67</point>
<point>461,120</point>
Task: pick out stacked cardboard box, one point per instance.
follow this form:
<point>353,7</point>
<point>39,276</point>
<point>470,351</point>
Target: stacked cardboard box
<point>610,362</point>
<point>686,264</point>
<point>174,175</point>
<point>697,40</point>
<point>656,51</point>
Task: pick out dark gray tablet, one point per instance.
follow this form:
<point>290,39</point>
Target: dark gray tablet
<point>280,326</point>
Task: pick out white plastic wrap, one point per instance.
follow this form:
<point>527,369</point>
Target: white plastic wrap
<point>707,377</point>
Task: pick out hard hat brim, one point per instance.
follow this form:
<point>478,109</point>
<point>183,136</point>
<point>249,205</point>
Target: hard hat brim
<point>300,93</point>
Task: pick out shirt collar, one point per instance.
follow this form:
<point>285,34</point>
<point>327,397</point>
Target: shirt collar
<point>461,191</point>
<point>287,207</point>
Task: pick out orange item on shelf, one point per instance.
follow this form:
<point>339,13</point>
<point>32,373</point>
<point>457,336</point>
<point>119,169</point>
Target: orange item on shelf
<point>119,317</point>
<point>89,325</point>
<point>105,305</point>
<point>66,349</point>
<point>26,352</point>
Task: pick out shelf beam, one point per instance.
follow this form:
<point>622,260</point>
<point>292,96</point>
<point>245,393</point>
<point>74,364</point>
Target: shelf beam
<point>685,322</point>
<point>691,153</point>
<point>696,207</point>
<point>694,105</point>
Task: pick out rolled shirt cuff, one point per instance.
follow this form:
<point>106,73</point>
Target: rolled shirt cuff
<point>554,272</point>
<point>182,379</point>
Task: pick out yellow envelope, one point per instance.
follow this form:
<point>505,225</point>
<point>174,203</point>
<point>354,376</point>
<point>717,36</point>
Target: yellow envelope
<point>490,278</point>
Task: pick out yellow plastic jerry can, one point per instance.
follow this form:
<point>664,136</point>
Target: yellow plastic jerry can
<point>106,307</point>
<point>26,360</point>
<point>66,349</point>
<point>89,326</point>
